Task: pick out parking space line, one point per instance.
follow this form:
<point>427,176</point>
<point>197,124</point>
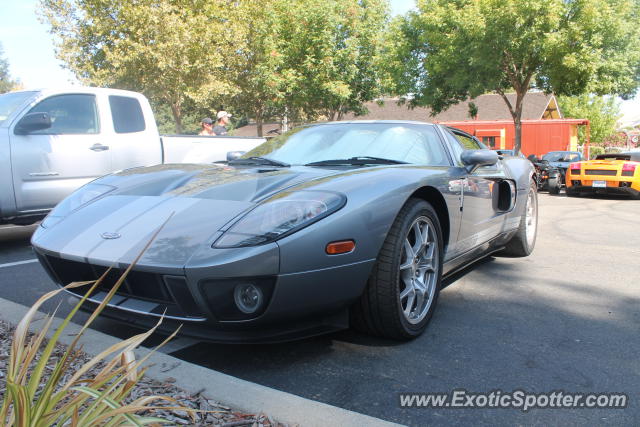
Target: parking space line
<point>13,264</point>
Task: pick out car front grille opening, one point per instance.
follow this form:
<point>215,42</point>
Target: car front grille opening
<point>625,184</point>
<point>155,293</point>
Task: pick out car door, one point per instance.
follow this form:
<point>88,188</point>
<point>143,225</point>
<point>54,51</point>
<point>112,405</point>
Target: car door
<point>482,219</point>
<point>51,163</point>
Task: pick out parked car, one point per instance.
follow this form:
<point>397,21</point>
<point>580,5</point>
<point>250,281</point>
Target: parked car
<point>561,160</point>
<point>607,174</point>
<point>54,141</point>
<point>320,225</point>
<point>548,178</point>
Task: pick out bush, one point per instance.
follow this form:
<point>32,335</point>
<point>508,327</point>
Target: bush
<point>595,150</point>
<point>32,399</point>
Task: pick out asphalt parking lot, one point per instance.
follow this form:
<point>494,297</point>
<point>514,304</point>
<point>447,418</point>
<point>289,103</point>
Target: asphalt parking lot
<point>566,318</point>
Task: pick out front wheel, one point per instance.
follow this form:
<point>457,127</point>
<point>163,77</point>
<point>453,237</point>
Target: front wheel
<point>523,242</point>
<point>403,288</point>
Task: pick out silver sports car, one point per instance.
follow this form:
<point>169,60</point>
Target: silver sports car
<point>329,225</point>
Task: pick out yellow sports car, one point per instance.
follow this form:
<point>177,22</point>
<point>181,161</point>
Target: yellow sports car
<point>608,173</point>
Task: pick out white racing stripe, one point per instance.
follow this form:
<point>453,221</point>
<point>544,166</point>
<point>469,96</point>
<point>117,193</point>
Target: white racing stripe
<point>13,264</point>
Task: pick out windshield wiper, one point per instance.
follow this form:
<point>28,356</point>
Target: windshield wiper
<point>360,160</point>
<point>259,161</point>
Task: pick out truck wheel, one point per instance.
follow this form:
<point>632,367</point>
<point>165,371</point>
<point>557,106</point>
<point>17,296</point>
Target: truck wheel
<point>403,288</point>
<point>523,242</point>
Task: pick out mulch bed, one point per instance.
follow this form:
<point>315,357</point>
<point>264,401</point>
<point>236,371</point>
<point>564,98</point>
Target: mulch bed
<point>223,415</point>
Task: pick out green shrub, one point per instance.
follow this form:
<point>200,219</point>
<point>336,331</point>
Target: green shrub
<point>35,400</point>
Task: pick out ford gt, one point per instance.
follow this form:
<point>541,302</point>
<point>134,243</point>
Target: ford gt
<point>324,227</point>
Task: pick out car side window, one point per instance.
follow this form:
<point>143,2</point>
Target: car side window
<point>70,115</point>
<point>127,114</point>
<point>456,146</point>
<point>467,143</point>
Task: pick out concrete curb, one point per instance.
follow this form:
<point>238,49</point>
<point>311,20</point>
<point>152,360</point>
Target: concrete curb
<point>236,393</point>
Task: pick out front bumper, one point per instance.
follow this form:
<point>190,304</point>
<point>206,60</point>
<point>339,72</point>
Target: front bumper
<point>296,305</point>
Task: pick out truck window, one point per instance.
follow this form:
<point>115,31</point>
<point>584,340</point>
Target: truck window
<point>70,114</point>
<point>127,114</point>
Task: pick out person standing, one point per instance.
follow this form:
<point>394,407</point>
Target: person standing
<point>221,125</point>
<point>207,127</point>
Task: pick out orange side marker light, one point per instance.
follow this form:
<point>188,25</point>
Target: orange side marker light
<point>340,247</point>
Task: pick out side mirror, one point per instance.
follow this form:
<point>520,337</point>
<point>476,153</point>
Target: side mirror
<point>233,155</point>
<point>473,159</point>
<point>33,122</point>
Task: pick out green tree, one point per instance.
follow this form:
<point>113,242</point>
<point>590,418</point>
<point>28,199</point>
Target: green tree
<point>256,67</point>
<point>167,49</point>
<point>452,50</point>
<point>602,111</point>
<point>334,49</point>
<point>306,58</point>
<point>7,83</point>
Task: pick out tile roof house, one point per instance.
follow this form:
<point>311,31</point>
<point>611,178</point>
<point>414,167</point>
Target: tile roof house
<point>537,106</point>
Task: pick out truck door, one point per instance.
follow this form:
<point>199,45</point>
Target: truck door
<point>135,139</point>
<point>51,163</point>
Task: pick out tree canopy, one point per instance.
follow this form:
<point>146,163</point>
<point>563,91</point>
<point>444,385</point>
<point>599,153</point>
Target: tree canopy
<point>452,50</point>
<point>7,83</point>
<point>303,58</point>
<point>169,49</point>
<point>602,111</point>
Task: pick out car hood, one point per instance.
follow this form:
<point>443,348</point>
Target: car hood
<point>191,203</point>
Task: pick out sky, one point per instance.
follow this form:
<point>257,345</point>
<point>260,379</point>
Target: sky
<point>28,47</point>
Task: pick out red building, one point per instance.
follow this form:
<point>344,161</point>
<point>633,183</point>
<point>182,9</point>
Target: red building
<point>543,127</point>
<point>538,136</point>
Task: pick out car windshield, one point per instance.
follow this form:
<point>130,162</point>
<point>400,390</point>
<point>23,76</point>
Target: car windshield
<point>379,142</point>
<point>10,101</point>
<point>560,156</point>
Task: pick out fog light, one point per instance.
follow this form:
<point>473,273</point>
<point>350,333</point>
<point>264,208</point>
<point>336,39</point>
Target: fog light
<point>248,297</point>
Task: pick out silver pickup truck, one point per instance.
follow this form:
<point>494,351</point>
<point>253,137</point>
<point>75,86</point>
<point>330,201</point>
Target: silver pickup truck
<point>54,141</point>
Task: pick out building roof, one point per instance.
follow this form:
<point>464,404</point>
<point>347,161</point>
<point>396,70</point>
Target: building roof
<point>537,105</point>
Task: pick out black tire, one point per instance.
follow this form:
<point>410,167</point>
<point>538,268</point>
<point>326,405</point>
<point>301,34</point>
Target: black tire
<point>520,245</point>
<point>554,186</point>
<point>379,311</point>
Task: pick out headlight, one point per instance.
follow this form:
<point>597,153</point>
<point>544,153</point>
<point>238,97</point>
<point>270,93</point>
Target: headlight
<point>280,216</point>
<point>80,197</point>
